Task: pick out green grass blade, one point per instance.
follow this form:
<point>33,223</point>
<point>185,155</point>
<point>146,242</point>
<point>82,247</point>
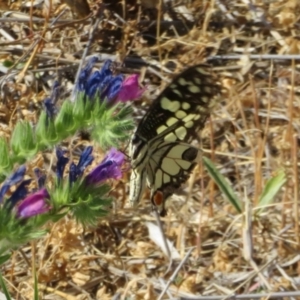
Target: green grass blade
<point>3,287</point>
<point>222,184</point>
<point>36,289</point>
<point>4,258</point>
<point>272,187</point>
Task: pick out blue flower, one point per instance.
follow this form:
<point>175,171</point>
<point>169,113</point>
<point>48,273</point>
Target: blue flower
<point>85,73</point>
<point>56,89</point>
<point>19,194</point>
<point>99,80</point>
<point>61,163</point>
<point>85,160</point>
<point>113,88</point>
<point>72,173</point>
<point>104,84</point>
<point>109,168</point>
<point>49,103</point>
<point>15,178</point>
<point>50,108</point>
<point>41,178</point>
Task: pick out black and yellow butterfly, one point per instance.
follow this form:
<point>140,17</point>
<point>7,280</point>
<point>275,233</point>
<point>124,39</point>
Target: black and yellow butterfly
<point>161,154</point>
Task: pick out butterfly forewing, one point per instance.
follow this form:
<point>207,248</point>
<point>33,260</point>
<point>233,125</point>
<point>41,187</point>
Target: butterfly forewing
<point>161,155</point>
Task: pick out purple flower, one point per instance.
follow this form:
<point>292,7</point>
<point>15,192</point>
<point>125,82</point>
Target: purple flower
<point>12,180</point>
<point>130,89</point>
<point>34,204</point>
<point>110,167</point>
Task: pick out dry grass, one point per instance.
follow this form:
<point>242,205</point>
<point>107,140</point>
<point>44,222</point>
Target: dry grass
<point>253,133</point>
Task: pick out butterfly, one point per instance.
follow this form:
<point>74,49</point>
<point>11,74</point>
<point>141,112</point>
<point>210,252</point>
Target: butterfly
<point>162,156</point>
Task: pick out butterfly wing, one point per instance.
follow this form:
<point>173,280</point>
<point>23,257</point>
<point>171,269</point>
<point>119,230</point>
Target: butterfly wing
<point>169,167</point>
<point>160,151</point>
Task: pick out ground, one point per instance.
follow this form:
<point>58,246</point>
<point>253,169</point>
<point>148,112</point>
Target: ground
<point>252,135</point>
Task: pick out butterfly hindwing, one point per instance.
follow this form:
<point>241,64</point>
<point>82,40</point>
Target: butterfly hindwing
<point>169,166</point>
<point>161,154</point>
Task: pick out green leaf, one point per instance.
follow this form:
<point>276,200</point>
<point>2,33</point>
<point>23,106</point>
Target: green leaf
<point>45,133</point>
<point>5,162</point>
<point>15,232</point>
<point>4,289</point>
<point>60,195</point>
<point>8,63</point>
<point>64,122</point>
<point>272,187</point>
<point>22,140</point>
<point>222,184</point>
<point>88,203</point>
<point>4,258</point>
<point>88,211</point>
<point>112,125</point>
<point>82,110</point>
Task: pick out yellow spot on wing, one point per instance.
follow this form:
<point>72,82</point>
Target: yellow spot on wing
<point>189,117</point>
<point>167,104</point>
<point>207,89</point>
<point>171,121</point>
<point>202,109</point>
<point>198,80</point>
<point>161,129</point>
<point>180,114</point>
<point>171,137</point>
<point>204,99</point>
<point>202,71</point>
<point>185,105</point>
<point>177,92</point>
<point>189,124</point>
<point>167,178</point>
<point>194,89</point>
<point>169,167</point>
<point>177,151</point>
<point>182,81</point>
<point>181,132</point>
<point>184,164</point>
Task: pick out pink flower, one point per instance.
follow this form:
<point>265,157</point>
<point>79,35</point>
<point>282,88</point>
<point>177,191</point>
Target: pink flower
<point>34,204</point>
<point>130,89</point>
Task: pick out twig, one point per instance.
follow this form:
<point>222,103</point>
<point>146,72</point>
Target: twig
<point>248,242</point>
<point>158,220</point>
<point>175,274</point>
<point>247,296</point>
<point>256,56</point>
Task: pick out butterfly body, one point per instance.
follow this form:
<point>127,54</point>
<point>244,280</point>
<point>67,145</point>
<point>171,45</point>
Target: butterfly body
<point>161,154</point>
